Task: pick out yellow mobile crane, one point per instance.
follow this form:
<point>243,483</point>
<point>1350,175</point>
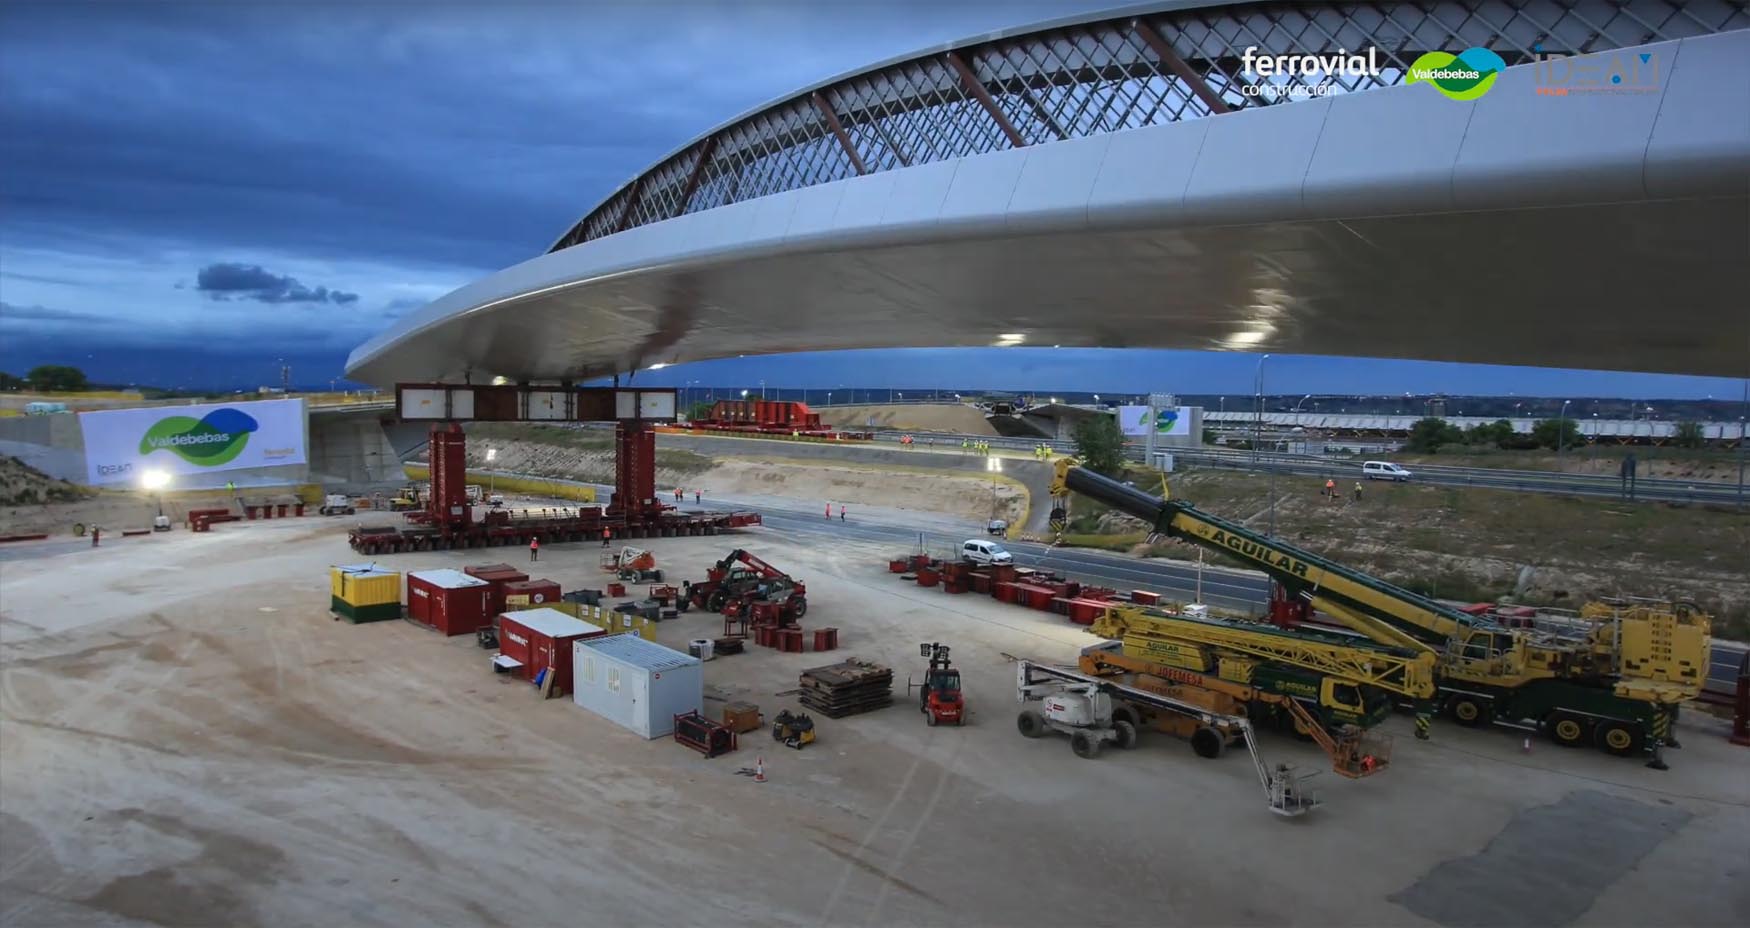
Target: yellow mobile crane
<point>1615,679</point>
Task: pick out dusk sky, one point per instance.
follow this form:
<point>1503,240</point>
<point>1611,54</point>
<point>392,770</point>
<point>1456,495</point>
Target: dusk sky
<point>189,192</point>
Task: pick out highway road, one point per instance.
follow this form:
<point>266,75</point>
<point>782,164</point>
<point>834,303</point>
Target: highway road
<point>1348,469</point>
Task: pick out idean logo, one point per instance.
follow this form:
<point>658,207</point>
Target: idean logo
<point>1464,76</point>
<point>213,439</point>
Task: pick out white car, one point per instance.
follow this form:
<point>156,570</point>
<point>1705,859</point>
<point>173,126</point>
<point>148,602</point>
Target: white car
<point>981,552</point>
<point>1384,470</point>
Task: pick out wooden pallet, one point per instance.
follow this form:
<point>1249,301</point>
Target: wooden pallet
<point>846,688</point>
<point>840,710</point>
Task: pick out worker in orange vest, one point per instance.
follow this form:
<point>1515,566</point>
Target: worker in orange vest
<point>607,533</point>
<point>534,549</point>
<point>1331,488</point>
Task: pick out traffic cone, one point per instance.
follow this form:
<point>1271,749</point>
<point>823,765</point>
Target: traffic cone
<point>759,769</point>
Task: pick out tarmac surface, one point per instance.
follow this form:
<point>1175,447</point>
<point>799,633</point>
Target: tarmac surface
<point>188,737</point>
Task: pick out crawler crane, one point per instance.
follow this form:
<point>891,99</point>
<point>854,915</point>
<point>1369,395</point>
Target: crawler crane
<point>1615,678</point>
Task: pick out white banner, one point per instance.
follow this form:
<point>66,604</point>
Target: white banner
<point>122,445</point>
<point>1134,420</point>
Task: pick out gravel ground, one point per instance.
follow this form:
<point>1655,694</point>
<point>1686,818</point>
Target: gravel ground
<point>187,738</point>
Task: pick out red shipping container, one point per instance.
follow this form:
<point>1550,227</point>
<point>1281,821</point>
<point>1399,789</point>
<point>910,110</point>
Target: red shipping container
<point>529,593</point>
<point>1003,591</point>
<point>1144,597</point>
<point>497,575</point>
<point>533,640</point>
<point>448,600</point>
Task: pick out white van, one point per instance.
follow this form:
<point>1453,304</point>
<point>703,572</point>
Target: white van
<point>985,552</point>
<point>1384,470</point>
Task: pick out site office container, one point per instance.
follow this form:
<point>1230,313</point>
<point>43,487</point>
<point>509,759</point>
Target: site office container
<point>522,594</point>
<point>636,684</point>
<point>448,600</point>
<point>364,593</point>
<point>533,640</point>
<point>497,575</point>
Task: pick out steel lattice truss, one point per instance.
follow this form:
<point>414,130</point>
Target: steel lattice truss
<point>1087,78</point>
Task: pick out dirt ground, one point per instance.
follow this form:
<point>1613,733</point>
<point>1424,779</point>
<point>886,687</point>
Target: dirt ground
<point>921,417</point>
<point>762,468</point>
<point>188,738</point>
<point>1477,544</point>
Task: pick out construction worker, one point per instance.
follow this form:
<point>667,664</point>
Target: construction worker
<point>607,535</point>
<point>963,443</point>
<point>1330,487</point>
<point>95,532</point>
<point>534,549</point>
<point>696,497</point>
<point>1358,491</point>
<point>829,510</point>
<point>841,512</point>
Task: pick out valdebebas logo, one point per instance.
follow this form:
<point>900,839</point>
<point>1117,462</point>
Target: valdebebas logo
<point>1464,76</point>
<point>213,439</point>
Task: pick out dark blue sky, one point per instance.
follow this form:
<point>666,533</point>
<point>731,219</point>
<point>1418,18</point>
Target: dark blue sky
<point>190,191</point>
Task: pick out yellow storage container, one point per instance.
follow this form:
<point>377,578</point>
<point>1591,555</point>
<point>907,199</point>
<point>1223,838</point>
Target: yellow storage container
<point>368,587</point>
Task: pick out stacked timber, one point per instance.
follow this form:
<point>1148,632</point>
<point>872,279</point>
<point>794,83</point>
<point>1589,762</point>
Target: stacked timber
<point>847,688</point>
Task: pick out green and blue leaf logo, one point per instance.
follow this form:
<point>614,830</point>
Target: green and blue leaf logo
<point>1464,76</point>
<point>1163,421</point>
<point>213,439</point>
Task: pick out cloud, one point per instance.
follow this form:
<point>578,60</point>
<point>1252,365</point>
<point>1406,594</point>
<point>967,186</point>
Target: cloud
<point>253,282</point>
<point>13,312</point>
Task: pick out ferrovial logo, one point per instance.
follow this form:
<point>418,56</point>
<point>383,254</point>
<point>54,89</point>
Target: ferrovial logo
<point>213,439</point>
<point>1272,68</point>
<point>1464,76</point>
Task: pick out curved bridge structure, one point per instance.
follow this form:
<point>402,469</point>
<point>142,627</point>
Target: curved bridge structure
<point>1138,179</point>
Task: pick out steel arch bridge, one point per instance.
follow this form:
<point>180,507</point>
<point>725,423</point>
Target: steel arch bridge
<point>1127,179</point>
<point>1107,72</point>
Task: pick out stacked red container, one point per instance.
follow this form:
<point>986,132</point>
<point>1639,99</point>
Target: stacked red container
<point>497,575</point>
<point>529,593</point>
<point>448,600</point>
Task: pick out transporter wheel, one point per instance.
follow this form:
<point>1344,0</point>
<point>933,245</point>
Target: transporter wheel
<point>1085,744</point>
<point>1619,738</point>
<point>1569,731</point>
<point>718,600</point>
<point>1469,711</point>
<point>1126,734</point>
<point>1127,714</point>
<point>930,718</point>
<point>1031,723</point>
<point>798,607</point>
<point>1207,742</point>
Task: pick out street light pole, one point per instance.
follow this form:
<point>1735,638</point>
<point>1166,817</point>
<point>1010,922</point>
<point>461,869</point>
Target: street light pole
<point>1743,422</point>
<point>1562,427</point>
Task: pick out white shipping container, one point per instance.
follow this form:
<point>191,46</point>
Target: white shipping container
<point>634,683</point>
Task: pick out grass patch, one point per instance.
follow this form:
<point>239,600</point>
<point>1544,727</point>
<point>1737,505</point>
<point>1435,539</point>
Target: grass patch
<point>1471,544</point>
<point>23,485</point>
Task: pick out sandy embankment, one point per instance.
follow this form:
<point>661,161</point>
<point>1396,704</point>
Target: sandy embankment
<point>771,475</point>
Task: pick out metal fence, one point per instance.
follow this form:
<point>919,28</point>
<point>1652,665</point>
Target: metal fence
<point>1102,74</point>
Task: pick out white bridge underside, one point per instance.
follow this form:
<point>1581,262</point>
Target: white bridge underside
<point>1605,231</point>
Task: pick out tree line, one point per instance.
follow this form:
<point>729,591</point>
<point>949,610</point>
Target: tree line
<point>48,378</point>
<point>1428,436</point>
